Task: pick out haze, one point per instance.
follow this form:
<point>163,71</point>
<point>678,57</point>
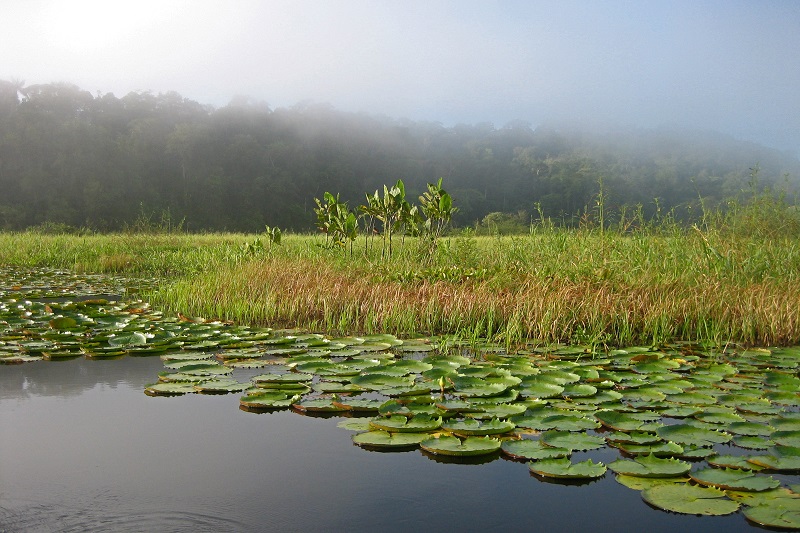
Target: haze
<point>730,66</point>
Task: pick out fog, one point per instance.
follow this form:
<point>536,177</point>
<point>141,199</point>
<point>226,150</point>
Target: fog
<point>729,66</point>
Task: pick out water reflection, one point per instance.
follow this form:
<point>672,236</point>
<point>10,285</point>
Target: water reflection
<point>85,449</point>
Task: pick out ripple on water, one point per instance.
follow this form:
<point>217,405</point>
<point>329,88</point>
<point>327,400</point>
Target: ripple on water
<point>17,516</point>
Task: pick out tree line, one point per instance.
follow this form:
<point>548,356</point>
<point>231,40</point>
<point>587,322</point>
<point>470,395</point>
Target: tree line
<point>102,162</point>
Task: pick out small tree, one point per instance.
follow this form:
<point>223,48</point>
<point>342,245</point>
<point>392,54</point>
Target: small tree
<point>437,207</point>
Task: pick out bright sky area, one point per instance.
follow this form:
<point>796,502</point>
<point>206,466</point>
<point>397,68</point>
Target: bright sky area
<point>732,66</point>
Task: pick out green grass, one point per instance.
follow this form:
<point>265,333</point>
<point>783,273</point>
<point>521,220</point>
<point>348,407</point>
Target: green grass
<point>578,286</point>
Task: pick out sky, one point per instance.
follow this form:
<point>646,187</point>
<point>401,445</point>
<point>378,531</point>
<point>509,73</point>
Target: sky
<point>731,66</point>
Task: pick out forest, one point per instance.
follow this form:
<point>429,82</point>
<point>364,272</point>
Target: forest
<point>73,160</point>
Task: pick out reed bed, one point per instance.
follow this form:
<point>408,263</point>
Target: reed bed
<point>552,285</point>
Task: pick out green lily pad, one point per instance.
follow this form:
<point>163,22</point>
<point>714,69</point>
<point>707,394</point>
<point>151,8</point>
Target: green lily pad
<point>783,515</point>
<point>317,405</point>
<point>268,400</point>
<point>625,421</point>
<point>786,438</point>
<point>471,427</point>
<point>733,479</point>
<point>541,390</point>
<point>578,390</point>
<point>780,459</point>
<point>385,440</point>
<point>359,406</point>
<point>532,449</point>
<point>566,469</point>
<point>750,429</point>
<point>569,423</point>
<point>634,437</point>
<point>401,424</point>
<point>222,386</point>
<point>355,424</point>
<point>659,449</point>
<point>689,499</point>
<point>651,466</point>
<point>686,434</point>
<point>572,441</point>
<point>732,461</point>
<point>453,446</point>
<point>168,389</point>
<point>642,483</point>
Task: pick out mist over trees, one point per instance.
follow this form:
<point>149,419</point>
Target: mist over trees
<point>101,162</point>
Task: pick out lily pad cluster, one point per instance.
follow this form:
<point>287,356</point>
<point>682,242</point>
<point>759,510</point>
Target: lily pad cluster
<point>697,430</point>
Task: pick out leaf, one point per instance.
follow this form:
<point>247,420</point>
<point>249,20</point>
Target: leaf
<point>780,459</point>
<point>642,483</point>
<point>565,469</point>
<point>686,434</point>
<point>784,514</point>
<point>572,441</point>
<point>689,499</point>
<point>532,449</point>
<point>470,427</point>
<point>397,423</point>
<point>732,479</point>
<point>651,466</point>
<point>454,446</point>
<point>786,438</point>
<point>385,440</point>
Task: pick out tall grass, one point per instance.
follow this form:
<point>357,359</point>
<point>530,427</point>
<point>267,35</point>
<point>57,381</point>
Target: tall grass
<point>732,277</point>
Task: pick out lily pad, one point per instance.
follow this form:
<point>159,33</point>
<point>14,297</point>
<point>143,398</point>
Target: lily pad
<point>733,479</point>
<point>532,449</point>
<point>780,459</point>
<point>686,434</point>
<point>566,469</point>
<point>385,440</point>
<point>402,424</point>
<point>651,466</point>
<point>572,441</point>
<point>168,389</point>
<point>471,446</point>
<point>689,499</point>
<point>471,427</point>
<point>268,400</point>
<point>783,515</point>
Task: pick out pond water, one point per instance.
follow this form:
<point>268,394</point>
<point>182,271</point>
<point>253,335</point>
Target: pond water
<point>84,449</point>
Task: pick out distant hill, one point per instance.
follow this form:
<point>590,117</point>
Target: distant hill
<point>99,161</point>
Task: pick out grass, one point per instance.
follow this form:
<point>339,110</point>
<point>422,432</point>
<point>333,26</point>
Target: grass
<point>553,285</point>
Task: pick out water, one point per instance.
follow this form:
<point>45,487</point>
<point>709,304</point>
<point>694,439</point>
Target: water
<point>82,448</point>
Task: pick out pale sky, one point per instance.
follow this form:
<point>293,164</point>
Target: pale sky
<point>732,66</point>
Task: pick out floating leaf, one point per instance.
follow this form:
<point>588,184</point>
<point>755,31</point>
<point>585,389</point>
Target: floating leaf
<point>786,438</point>
<point>780,459</point>
<point>454,446</point>
<point>470,427</point>
<point>686,434</point>
<point>784,515</point>
<point>689,499</point>
<point>402,424</point>
<point>732,479</point>
<point>565,469</point>
<point>385,440</point>
<point>268,400</point>
<point>532,449</point>
<point>642,483</point>
<point>572,441</point>
<point>732,461</point>
<point>317,405</point>
<point>168,389</point>
<point>650,466</point>
<point>660,449</point>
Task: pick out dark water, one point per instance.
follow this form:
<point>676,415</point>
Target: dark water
<point>82,448</point>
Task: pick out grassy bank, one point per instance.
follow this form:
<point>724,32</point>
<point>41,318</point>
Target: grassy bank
<point>577,286</point>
